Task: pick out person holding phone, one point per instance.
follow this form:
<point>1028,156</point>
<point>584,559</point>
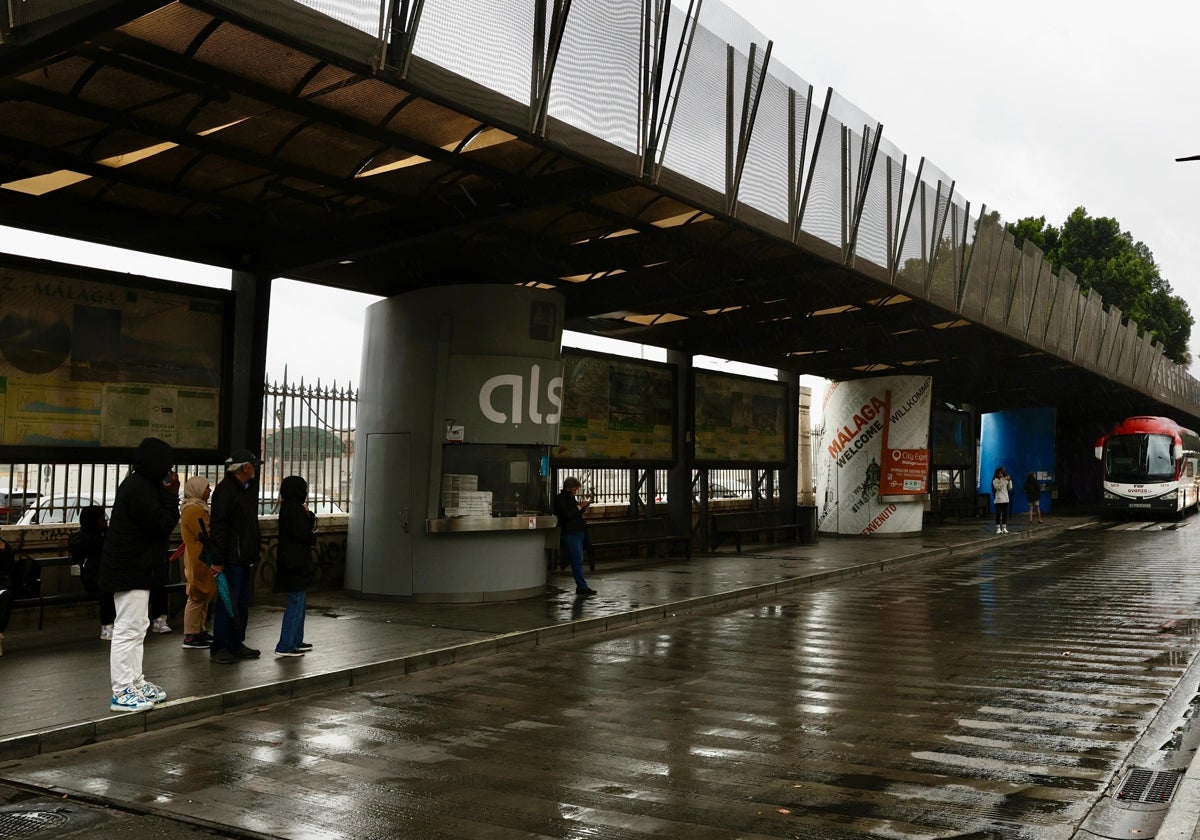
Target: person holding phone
<point>145,511</point>
<point>573,531</point>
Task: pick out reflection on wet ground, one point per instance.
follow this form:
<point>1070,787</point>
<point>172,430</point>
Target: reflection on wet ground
<point>991,696</point>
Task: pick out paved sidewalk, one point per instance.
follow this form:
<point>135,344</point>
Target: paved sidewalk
<point>55,681</point>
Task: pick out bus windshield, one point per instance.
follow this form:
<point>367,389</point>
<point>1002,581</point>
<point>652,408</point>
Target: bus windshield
<point>1136,459</point>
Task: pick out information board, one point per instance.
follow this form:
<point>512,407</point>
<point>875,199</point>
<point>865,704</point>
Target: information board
<point>740,420</point>
<point>616,410</point>
<point>98,361</point>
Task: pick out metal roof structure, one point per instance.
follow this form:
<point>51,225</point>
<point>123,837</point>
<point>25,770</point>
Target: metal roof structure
<point>679,187</point>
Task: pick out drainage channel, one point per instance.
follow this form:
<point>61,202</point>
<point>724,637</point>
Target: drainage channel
<point>1141,796</point>
<point>43,818</point>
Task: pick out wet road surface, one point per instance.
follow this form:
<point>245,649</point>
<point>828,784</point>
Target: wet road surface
<point>983,697</point>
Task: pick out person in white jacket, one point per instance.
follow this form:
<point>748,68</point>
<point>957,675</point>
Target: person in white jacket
<point>1001,491</point>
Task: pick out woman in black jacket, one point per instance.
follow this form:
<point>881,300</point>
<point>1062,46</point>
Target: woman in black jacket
<point>294,563</point>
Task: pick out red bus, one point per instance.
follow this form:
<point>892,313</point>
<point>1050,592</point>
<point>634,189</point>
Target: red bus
<point>1149,466</point>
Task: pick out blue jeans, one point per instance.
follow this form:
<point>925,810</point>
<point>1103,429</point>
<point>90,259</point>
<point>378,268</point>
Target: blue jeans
<point>291,634</point>
<point>229,634</point>
<point>572,546</point>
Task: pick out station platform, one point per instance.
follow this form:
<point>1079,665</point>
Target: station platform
<point>56,687</point>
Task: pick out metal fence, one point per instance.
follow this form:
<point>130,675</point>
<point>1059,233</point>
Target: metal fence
<point>308,430</point>
<point>607,486</point>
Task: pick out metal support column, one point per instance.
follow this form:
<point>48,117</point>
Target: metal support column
<point>252,306</point>
<point>679,477</point>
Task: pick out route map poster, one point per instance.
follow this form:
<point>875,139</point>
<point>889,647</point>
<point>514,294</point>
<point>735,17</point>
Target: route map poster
<point>740,420</point>
<point>99,360</point>
<point>616,409</point>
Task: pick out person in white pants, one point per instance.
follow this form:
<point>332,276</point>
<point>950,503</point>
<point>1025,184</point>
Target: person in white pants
<point>145,512</point>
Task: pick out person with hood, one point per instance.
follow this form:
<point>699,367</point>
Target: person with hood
<point>1033,496</point>
<point>234,540</point>
<point>86,546</point>
<point>145,511</point>
<point>294,563</point>
<point>201,587</point>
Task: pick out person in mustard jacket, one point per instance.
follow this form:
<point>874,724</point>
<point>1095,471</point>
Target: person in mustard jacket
<point>197,570</point>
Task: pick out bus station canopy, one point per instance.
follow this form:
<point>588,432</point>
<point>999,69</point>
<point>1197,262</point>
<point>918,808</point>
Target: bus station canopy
<point>265,138</point>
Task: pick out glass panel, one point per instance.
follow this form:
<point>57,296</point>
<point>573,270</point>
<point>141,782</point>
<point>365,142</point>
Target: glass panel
<point>494,480</point>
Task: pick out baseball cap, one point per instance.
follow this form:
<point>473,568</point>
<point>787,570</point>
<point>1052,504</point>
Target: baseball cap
<point>243,456</point>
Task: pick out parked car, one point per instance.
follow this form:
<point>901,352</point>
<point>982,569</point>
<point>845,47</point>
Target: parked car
<point>14,502</point>
<point>57,509</point>
<point>733,489</point>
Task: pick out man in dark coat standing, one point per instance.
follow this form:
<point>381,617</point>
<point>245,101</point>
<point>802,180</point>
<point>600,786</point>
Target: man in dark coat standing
<point>235,541</point>
<point>145,512</point>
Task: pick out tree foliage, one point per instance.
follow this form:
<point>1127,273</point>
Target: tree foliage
<point>1122,271</point>
<point>303,442</point>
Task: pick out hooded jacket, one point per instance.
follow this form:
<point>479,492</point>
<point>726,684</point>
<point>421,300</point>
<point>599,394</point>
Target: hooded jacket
<point>294,567</point>
<point>144,514</point>
<point>87,546</point>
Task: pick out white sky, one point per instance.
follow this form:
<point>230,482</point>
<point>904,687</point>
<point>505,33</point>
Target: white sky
<point>1032,108</point>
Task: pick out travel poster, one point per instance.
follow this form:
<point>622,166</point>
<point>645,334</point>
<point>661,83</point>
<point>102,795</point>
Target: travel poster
<point>96,359</point>
<point>740,420</point>
<point>616,410</point>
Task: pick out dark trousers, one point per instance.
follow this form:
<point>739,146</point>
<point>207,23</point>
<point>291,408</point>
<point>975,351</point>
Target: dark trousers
<point>572,547</point>
<point>230,634</point>
<point>6,604</point>
<point>158,601</point>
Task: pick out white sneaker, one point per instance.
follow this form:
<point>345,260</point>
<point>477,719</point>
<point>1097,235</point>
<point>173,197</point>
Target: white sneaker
<point>153,693</point>
<point>1004,530</point>
<point>106,632</point>
<point>130,700</point>
<point>998,531</point>
<point>159,625</point>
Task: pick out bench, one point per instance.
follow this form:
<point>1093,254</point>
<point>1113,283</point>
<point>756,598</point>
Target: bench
<point>67,597</point>
<point>976,505</point>
<point>740,523</point>
<point>633,533</point>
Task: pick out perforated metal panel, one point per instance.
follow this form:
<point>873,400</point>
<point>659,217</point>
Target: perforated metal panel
<point>1142,785</point>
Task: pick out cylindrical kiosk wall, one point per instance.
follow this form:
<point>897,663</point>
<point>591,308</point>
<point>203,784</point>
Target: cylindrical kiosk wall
<point>873,468</point>
<point>461,387</point>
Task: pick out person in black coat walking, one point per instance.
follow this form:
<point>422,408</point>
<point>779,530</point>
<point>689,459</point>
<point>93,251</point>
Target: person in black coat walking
<point>145,512</point>
<point>235,542</point>
<point>294,563</point>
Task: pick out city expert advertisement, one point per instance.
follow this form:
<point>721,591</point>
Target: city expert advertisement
<point>874,457</point>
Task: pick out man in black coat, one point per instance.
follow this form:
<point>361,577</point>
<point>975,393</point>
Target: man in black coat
<point>235,541</point>
<point>145,512</point>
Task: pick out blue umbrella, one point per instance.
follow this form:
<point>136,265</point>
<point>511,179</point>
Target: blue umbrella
<point>227,599</point>
<point>222,584</point>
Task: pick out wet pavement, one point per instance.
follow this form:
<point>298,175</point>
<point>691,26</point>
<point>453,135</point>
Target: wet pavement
<point>995,690</point>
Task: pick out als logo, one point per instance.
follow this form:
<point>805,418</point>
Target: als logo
<point>512,409</point>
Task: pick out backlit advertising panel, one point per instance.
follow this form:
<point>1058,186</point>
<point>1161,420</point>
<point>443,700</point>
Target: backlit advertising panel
<point>616,411</point>
<point>740,420</point>
<point>96,361</point>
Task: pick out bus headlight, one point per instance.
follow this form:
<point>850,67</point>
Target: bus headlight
<point>1110,495</point>
<point>1171,496</point>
